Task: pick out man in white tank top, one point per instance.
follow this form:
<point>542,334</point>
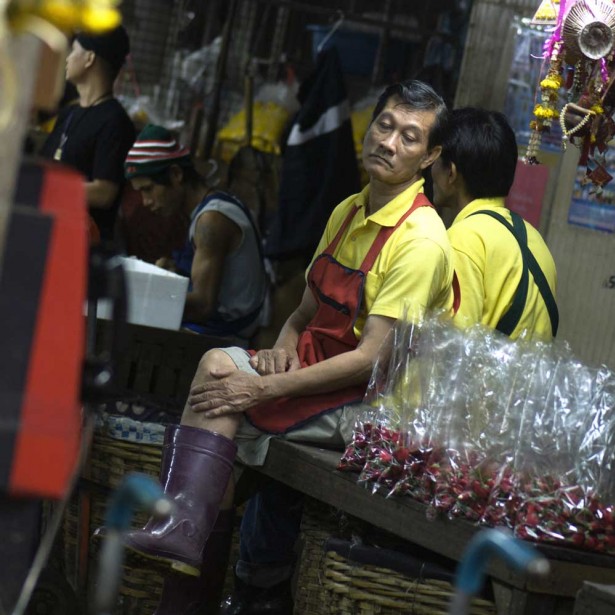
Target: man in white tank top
<point>222,255</point>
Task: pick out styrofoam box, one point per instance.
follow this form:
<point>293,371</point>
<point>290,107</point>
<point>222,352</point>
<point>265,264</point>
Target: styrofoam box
<point>156,297</point>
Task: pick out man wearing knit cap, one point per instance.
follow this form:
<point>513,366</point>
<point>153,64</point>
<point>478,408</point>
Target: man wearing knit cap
<point>222,254</point>
<point>95,135</point>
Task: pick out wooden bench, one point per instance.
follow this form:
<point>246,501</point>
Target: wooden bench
<point>158,363</point>
<point>312,471</point>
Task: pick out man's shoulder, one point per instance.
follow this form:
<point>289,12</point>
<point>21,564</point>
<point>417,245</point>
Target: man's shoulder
<point>425,222</point>
<point>112,116</point>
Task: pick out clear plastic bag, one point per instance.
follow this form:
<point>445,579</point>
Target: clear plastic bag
<point>499,432</point>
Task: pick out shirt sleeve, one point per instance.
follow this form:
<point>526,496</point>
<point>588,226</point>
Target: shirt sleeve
<point>112,146</point>
<point>416,280</point>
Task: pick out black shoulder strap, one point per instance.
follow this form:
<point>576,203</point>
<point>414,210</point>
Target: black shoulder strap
<point>509,321</point>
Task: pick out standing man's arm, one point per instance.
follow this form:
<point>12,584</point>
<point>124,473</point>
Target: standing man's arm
<point>101,193</point>
<point>215,237</point>
<point>112,145</point>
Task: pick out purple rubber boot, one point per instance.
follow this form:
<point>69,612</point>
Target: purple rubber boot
<point>196,468</point>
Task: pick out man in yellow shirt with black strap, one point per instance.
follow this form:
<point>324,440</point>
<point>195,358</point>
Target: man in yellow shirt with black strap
<point>506,273</point>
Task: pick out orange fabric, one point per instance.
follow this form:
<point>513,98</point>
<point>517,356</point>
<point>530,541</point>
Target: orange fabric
<point>48,442</point>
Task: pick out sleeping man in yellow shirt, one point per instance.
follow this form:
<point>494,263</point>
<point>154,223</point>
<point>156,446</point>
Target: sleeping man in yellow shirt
<point>506,273</point>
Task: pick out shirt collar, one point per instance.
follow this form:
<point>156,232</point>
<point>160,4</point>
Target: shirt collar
<point>390,214</point>
<point>478,204</point>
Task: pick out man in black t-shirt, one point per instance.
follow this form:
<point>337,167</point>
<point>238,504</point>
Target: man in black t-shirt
<point>94,135</point>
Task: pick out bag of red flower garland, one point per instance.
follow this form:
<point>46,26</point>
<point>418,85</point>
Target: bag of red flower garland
<point>508,372</point>
<point>378,420</point>
<point>454,423</point>
<point>545,420</point>
<point>576,508</point>
<point>394,393</point>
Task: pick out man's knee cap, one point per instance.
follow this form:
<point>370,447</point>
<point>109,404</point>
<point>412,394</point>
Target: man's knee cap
<point>214,358</point>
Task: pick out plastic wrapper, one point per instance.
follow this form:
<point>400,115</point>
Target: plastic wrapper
<point>198,68</point>
<point>391,411</point>
<point>499,432</point>
<point>575,506</point>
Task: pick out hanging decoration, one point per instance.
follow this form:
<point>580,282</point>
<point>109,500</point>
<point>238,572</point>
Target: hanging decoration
<point>576,90</point>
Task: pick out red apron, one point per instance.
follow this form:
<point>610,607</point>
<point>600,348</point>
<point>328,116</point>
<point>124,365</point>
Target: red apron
<point>338,291</point>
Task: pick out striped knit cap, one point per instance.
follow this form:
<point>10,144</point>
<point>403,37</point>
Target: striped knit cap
<point>155,149</point>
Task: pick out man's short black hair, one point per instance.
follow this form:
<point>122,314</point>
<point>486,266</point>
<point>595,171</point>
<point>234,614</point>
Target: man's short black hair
<point>483,147</point>
<point>419,96</point>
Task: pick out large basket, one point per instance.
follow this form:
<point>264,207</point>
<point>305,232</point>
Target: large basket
<point>330,582</point>
<point>352,588</point>
<point>111,459</point>
<point>318,523</point>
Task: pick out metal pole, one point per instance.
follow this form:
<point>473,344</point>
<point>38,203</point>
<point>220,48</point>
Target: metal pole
<point>249,100</point>
<point>214,112</point>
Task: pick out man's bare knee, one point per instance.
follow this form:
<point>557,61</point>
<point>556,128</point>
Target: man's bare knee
<point>215,360</point>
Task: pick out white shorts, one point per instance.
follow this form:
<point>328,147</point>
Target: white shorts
<point>331,430</point>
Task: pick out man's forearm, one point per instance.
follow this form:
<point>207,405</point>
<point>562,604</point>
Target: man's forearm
<point>196,309</point>
<point>289,334</point>
<point>100,194</point>
<point>347,369</point>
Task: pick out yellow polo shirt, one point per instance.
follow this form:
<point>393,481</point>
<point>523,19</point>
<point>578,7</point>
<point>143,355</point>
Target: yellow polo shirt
<point>415,265</point>
<point>488,263</point>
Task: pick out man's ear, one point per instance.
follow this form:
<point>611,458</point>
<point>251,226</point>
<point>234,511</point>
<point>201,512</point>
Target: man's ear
<point>431,156</point>
<point>176,175</point>
<point>453,174</point>
<point>89,58</point>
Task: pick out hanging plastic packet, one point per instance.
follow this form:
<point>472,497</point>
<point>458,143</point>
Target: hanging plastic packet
<point>394,391</point>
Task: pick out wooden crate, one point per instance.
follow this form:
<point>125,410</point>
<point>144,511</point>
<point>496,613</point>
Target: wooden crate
<point>157,363</point>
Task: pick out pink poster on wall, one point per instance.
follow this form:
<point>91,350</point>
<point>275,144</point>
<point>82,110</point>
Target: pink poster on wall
<point>528,190</point>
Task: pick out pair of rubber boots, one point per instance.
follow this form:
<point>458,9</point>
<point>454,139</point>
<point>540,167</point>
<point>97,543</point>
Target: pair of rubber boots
<point>194,542</point>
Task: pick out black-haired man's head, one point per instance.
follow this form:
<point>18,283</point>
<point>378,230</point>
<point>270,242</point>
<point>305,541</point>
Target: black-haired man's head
<point>404,136</point>
<point>479,156</point>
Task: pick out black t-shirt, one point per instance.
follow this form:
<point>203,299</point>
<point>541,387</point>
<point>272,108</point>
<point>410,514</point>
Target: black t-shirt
<point>96,141</point>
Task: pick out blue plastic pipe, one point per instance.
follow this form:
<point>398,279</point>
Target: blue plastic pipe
<point>486,544</point>
<point>135,492</point>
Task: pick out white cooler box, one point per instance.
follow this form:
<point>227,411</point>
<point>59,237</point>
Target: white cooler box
<point>156,297</point>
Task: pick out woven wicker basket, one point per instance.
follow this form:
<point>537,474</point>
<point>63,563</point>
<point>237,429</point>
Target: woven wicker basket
<point>329,583</point>
<point>111,459</point>
<point>352,588</point>
<point>318,523</point>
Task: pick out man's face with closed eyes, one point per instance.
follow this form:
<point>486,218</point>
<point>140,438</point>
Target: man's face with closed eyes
<point>396,145</point>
